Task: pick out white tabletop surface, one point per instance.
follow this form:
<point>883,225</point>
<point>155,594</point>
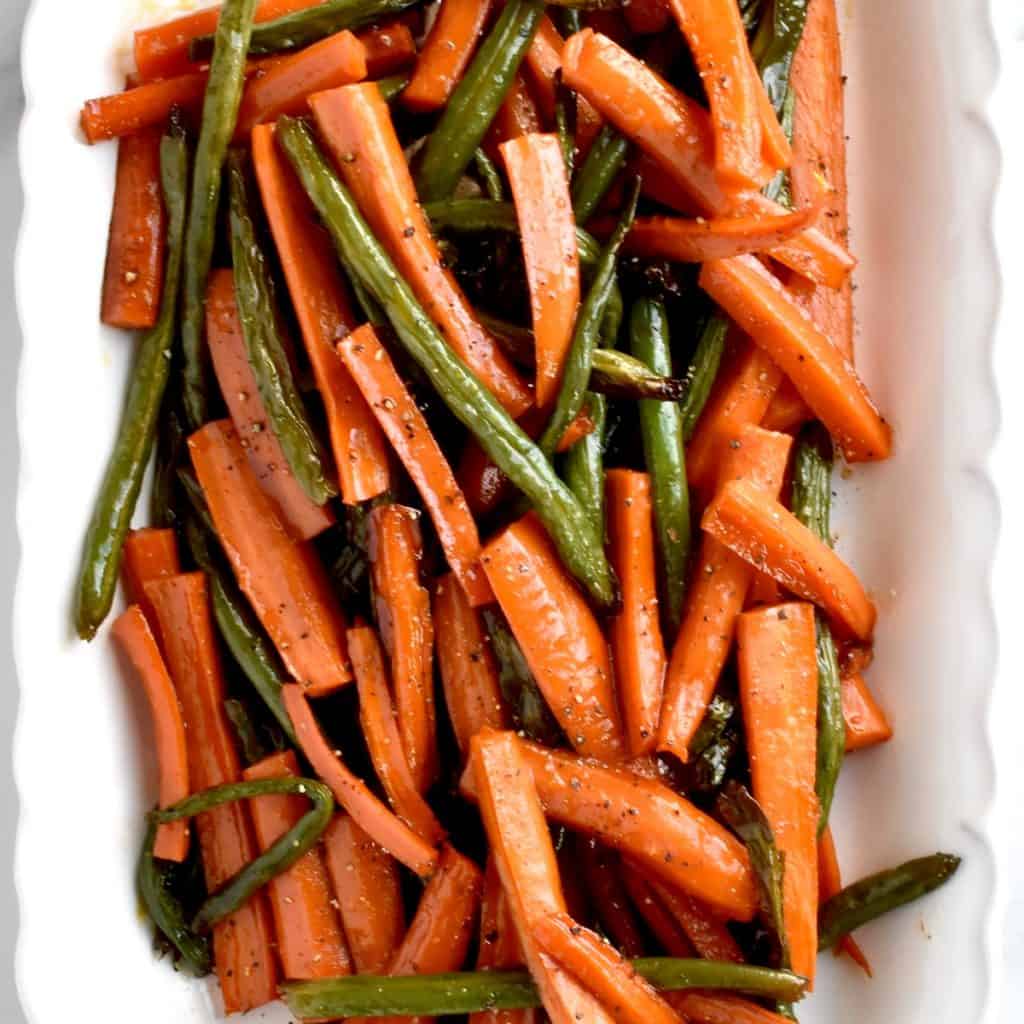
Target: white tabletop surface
<point>1007,714</point>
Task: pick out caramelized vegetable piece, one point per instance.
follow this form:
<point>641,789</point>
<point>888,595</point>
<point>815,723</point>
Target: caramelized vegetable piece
<point>149,554</point>
<point>866,722</point>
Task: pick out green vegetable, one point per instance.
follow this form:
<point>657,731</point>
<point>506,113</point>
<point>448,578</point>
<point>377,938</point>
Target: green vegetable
<point>811,504</point>
<point>515,339</point>
<point>876,895</point>
<point>661,424</point>
<point>254,745</point>
<point>576,373</point>
<point>565,123</point>
<point>471,403</point>
<point>476,99</point>
<point>488,171</point>
<point>428,995</point>
<point>712,748</point>
<point>702,371</point>
<point>624,376</point>
<point>605,160</point>
<point>292,846</point>
<point>170,445</point>
<point>778,35</point>
<point>122,481</point>
<point>568,20</point>
<point>220,112</point>
<point>254,293</point>
<point>583,465</point>
<point>392,87</point>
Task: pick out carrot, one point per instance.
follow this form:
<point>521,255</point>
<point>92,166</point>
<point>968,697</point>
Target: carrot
<point>600,871</point>
<point>716,597</point>
<point>661,924</point>
<point>522,849</point>
<point>540,188</point>
<point>301,515</point>
<point>559,635</point>
<point>517,115</point>
<point>149,554</point>
<point>637,646</point>
<point>133,274</point>
<point>388,48</point>
<point>763,532</point>
<point>778,691</point>
<point>469,674</point>
<point>446,53</point>
<point>407,430</point>
<point>707,933</point>
<point>243,942</point>
<point>283,579</point>
<point>866,723</point>
<point>383,827</point>
<point>647,17</point>
<point>145,106</point>
<point>133,634</point>
<point>309,937</point>
<point>368,889</point>
<point>760,305</point>
<point>324,311</point>
<point>646,820</point>
<point>787,411</point>
<point>284,89</point>
<point>377,717</point>
<point>705,1008</point>
<point>830,883</point>
<point>162,50</point>
<point>356,127</point>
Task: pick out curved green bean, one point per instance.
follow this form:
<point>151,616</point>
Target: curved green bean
<point>488,171</point>
<point>170,445</point>
<point>122,481</point>
<point>619,375</point>
<point>702,371</point>
<point>292,846</point>
<point>605,160</point>
<point>583,465</point>
<point>470,402</point>
<point>471,109</point>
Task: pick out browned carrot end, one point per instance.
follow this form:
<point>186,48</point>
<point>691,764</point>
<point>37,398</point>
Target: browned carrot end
<point>866,722</point>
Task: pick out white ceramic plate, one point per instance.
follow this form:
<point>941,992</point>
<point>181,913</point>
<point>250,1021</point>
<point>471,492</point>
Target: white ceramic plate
<point>920,529</point>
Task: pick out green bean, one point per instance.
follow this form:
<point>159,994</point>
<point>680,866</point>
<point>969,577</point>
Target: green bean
<point>254,293</point>
<point>569,20</point>
<point>661,424</point>
<point>469,401</point>
<point>122,481</point>
<point>576,373</point>
<point>811,503</point>
<point>583,466</point>
<point>489,173</point>
<point>220,112</point>
<point>253,746</point>
<point>285,851</point>
<point>716,741</point>
<point>778,35</point>
<point>515,339</point>
<point>476,99</point>
<point>702,371</point>
<point>299,29</point>
<point>170,445</point>
<point>605,160</point>
<point>871,897</point>
<point>428,995</point>
<point>154,880</point>
<point>565,124</point>
<point>392,87</point>
<point>623,376</point>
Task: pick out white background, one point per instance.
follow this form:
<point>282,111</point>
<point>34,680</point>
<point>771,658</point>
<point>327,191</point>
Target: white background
<point>1008,465</point>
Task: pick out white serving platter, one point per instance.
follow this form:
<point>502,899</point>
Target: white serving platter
<point>920,529</point>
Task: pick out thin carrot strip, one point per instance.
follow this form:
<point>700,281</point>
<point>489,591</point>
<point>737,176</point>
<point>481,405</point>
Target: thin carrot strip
<point>356,127</point>
<point>300,514</point>
<point>600,870</point>
<point>133,274</point>
<point>705,1008</point>
<point>325,315</point>
<point>469,673</point>
<point>661,924</point>
<point>368,889</point>
<point>517,115</point>
<point>133,634</point>
<point>283,579</point>
<point>707,933</point>
<point>388,48</point>
<point>866,723</point>
<point>149,554</point>
<point>377,717</point>
<point>647,17</point>
<point>446,53</point>
<point>145,106</point>
<point>830,883</point>
<point>309,937</point>
<point>407,430</point>
<point>787,411</point>
<point>559,635</point>
<point>637,646</point>
<point>778,690</point>
<point>243,942</point>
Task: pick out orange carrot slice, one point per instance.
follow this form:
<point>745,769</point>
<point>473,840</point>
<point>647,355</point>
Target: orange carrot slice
<point>866,723</point>
<point>149,554</point>
<point>787,411</point>
<point>145,106</point>
<point>661,924</point>
<point>830,883</point>
<point>388,47</point>
<point>647,17</point>
<point>704,1008</point>
<point>601,878</point>
<point>707,933</point>
<point>517,115</point>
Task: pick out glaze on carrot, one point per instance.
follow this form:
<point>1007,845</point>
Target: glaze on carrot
<point>145,106</point>
<point>708,1008</point>
<point>660,923</point>
<point>866,723</point>
<point>149,554</point>
<point>706,932</point>
<point>388,48</point>
<point>647,17</point>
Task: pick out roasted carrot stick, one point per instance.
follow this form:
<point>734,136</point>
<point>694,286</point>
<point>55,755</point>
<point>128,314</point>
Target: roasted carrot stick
<point>356,127</point>
<point>647,17</point>
<point>830,883</point>
<point>517,115</point>
<point>284,89</point>
<point>716,597</point>
<point>149,554</point>
<point>748,521</point>
<point>446,53</point>
<point>145,106</point>
<point>559,635</point>
<point>389,48</point>
<point>282,577</point>
<point>540,188</point>
<point>707,933</point>
<point>407,430</point>
<point>761,306</point>
<point>469,673</point>
<point>300,514</point>
<point>646,820</point>
<point>661,924</point>
<point>134,271</point>
<point>377,717</point>
<point>309,937</point>
<point>778,689</point>
<point>368,889</point>
<point>787,411</point>
<point>133,634</point>
<point>706,1008</point>
<point>600,868</point>
<point>637,647</point>
<point>385,828</point>
<point>522,849</point>
<point>325,315</point>
<point>242,943</point>
<point>866,722</point>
